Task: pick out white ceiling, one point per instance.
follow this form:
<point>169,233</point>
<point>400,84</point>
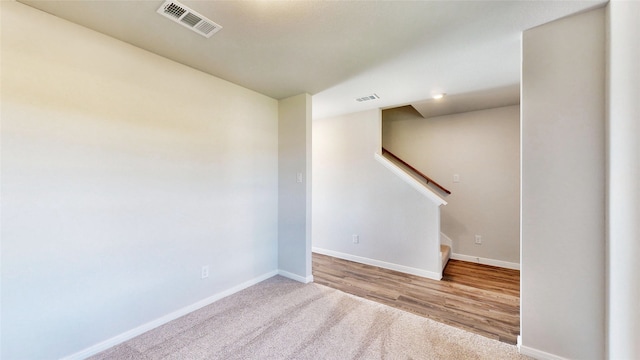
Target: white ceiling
<point>403,51</point>
<point>460,103</point>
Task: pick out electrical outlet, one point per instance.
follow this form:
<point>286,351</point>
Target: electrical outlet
<point>204,272</point>
<point>478,240</point>
<point>355,238</point>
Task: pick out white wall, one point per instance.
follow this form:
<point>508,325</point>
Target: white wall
<point>623,180</point>
<point>353,194</point>
<point>294,198</point>
<point>122,174</point>
<point>563,188</point>
<point>483,148</point>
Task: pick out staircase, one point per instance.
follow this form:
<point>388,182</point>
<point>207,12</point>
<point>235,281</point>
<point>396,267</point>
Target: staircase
<point>445,249</point>
<point>445,254</point>
<point>427,187</point>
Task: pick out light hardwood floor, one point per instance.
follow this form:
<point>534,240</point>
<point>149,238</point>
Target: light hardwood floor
<point>478,298</point>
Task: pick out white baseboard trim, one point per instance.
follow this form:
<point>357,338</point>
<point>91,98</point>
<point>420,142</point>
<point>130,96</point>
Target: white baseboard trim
<point>127,335</point>
<point>538,354</point>
<point>485,261</point>
<point>292,276</point>
<point>378,263</point>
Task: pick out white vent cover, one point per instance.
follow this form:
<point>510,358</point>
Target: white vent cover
<point>368,97</point>
<point>189,18</point>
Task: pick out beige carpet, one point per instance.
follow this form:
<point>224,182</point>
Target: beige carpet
<point>283,319</point>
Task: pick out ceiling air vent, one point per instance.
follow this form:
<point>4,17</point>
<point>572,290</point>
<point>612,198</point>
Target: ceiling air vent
<point>368,97</point>
<point>189,18</point>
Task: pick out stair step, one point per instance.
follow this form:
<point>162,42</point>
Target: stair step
<point>445,253</point>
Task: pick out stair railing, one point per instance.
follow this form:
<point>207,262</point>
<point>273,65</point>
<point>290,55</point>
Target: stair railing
<point>416,171</point>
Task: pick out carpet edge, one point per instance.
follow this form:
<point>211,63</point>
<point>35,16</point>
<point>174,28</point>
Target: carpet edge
<point>130,334</point>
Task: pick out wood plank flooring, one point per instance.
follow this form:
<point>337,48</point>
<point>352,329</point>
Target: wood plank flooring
<point>478,298</point>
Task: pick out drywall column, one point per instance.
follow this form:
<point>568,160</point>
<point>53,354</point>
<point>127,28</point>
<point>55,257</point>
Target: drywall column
<point>623,180</point>
<point>563,188</point>
<point>294,187</point>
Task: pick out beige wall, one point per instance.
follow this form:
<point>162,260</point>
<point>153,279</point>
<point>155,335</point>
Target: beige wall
<point>563,188</point>
<point>483,148</point>
<point>122,174</point>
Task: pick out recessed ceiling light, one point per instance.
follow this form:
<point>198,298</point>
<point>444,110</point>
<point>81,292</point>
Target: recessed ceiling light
<point>439,96</point>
